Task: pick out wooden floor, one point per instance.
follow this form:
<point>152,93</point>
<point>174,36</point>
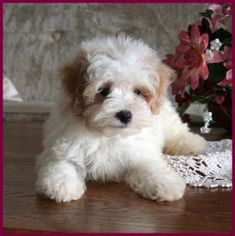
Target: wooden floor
<point>104,207</point>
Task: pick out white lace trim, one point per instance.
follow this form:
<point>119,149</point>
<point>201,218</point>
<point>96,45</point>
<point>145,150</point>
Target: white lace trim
<point>213,168</point>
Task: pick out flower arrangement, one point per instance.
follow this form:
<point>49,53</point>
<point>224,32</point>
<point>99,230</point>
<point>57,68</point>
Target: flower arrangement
<point>203,62</point>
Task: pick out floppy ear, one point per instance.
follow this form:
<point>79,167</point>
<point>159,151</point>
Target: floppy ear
<point>74,81</point>
<point>164,78</point>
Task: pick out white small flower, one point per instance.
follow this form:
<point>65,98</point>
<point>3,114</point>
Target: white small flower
<point>209,54</point>
<point>215,45</point>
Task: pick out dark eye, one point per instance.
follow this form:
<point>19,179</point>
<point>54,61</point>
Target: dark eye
<point>104,91</point>
<point>137,92</point>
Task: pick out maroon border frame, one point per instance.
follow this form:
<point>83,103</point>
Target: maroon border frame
<point>2,2</point>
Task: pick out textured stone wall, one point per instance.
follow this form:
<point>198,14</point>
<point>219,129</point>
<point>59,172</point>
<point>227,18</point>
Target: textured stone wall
<point>39,38</point>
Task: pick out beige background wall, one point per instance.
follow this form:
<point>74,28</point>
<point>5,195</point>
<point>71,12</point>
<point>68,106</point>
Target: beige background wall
<point>39,38</point>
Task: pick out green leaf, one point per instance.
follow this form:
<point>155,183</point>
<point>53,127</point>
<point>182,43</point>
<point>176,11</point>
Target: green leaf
<point>181,109</point>
<point>205,99</point>
<point>206,13</point>
<point>227,42</point>
<point>227,89</point>
<point>217,72</point>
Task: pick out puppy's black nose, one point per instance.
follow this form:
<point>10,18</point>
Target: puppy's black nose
<point>124,116</point>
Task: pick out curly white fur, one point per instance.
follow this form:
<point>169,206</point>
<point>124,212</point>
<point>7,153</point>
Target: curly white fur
<point>93,144</point>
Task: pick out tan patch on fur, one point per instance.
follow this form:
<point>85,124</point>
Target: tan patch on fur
<point>166,75</point>
<point>98,97</point>
<point>74,83</point>
<point>145,92</point>
<point>163,77</point>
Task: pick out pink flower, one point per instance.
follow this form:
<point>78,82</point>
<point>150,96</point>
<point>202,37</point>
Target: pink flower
<point>221,9</point>
<point>214,56</point>
<point>219,99</point>
<point>227,80</point>
<point>170,61</point>
<point>228,64</point>
<point>191,56</point>
<point>220,12</point>
<point>228,57</point>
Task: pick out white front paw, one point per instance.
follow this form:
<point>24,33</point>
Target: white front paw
<point>63,190</point>
<point>167,188</point>
<point>165,191</point>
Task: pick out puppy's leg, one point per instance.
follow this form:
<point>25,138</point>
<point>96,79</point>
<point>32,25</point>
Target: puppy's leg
<point>154,179</point>
<point>179,140</point>
<point>58,179</point>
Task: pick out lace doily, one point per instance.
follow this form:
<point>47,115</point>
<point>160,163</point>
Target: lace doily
<point>213,168</point>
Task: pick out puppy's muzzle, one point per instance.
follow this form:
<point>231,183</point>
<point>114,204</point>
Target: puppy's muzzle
<point>124,116</point>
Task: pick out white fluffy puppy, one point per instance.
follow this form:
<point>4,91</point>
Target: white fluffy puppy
<point>111,122</point>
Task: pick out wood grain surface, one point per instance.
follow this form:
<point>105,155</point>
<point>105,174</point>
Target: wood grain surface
<point>109,207</point>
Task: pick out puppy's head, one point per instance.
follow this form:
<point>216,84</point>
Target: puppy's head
<point>115,84</point>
